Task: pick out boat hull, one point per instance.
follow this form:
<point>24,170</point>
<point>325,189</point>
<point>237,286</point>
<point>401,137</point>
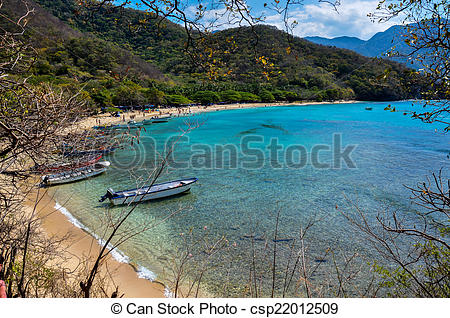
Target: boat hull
<point>75,175</point>
<point>156,191</point>
<point>150,196</point>
<point>156,120</point>
<point>82,176</point>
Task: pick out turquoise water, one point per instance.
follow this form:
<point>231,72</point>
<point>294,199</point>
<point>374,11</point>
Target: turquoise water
<point>390,150</point>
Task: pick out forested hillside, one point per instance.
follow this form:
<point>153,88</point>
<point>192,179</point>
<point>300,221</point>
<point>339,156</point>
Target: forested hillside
<point>123,56</point>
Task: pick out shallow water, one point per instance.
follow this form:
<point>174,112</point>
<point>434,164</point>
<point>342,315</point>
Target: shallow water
<point>391,150</point>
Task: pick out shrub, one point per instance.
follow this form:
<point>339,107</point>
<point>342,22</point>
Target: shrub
<point>230,96</point>
<point>177,100</point>
<point>278,95</point>
<point>206,97</point>
<point>291,96</point>
<point>249,97</point>
<point>112,110</point>
<point>266,96</point>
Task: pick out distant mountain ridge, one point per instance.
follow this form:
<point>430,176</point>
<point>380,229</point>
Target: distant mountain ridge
<point>379,45</point>
<point>344,42</point>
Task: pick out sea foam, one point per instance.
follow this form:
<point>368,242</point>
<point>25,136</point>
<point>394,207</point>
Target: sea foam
<point>145,273</point>
<point>117,254</point>
<point>168,293</point>
<point>70,217</point>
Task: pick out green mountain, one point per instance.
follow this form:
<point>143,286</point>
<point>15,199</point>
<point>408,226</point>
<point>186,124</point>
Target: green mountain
<point>134,30</point>
<point>343,42</point>
<point>121,56</point>
<point>379,45</point>
<point>64,47</point>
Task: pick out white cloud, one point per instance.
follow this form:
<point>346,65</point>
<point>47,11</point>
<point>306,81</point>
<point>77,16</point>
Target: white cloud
<point>314,18</point>
<point>319,19</point>
<point>216,16</point>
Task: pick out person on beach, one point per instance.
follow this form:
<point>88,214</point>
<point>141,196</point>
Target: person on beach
<point>2,283</point>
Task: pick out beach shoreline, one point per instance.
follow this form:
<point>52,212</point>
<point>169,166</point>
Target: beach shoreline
<point>106,119</point>
<point>84,244</point>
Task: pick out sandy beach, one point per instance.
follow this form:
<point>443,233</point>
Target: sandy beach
<point>82,244</point>
<point>107,119</point>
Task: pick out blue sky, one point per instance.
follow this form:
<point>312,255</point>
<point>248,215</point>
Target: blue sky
<point>320,19</point>
<point>314,18</point>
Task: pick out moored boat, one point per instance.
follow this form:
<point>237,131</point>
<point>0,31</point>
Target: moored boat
<point>76,174</point>
<point>156,191</point>
<point>147,122</point>
<point>133,124</point>
<point>368,108</point>
<point>119,127</point>
<point>161,120</point>
<point>156,120</point>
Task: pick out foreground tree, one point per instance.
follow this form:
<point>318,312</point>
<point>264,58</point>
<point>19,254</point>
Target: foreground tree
<point>33,120</point>
<point>419,250</point>
<point>427,34</point>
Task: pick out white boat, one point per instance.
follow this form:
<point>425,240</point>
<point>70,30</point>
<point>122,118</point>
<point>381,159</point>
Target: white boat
<point>76,174</point>
<point>156,191</point>
<point>156,120</point>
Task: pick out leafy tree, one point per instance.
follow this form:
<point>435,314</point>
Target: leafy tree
<point>266,96</point>
<point>427,34</point>
<point>206,97</point>
<point>42,67</point>
<point>112,110</point>
<point>290,96</point>
<point>278,95</point>
<point>249,97</point>
<point>128,94</point>
<point>153,96</point>
<point>176,100</point>
<point>102,97</point>
<point>230,96</point>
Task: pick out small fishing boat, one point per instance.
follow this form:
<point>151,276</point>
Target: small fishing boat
<point>133,124</point>
<point>156,191</point>
<point>147,122</point>
<point>76,174</point>
<point>129,125</point>
<point>156,120</point>
<point>368,108</point>
<point>161,120</point>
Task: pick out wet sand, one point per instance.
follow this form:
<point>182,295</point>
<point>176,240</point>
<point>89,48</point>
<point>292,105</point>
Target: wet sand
<point>82,245</point>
